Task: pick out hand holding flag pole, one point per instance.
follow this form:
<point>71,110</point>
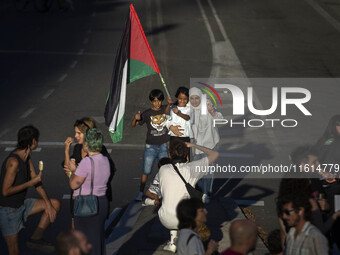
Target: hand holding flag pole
<point>164,85</point>
<point>134,60</point>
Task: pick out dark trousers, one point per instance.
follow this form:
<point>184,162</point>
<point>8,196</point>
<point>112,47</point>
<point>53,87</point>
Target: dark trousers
<point>93,227</point>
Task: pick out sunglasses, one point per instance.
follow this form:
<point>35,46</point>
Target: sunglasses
<point>288,212</point>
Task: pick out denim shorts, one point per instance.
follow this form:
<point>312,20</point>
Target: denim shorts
<point>12,219</point>
<point>151,152</point>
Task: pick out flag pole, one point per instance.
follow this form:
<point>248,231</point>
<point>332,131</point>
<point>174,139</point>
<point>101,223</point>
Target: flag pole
<point>164,85</point>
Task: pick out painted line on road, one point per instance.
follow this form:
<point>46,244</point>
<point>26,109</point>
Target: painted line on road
<point>236,155</point>
<point>136,178</point>
<point>27,113</point>
<point>99,119</point>
<point>109,151</point>
<point>48,93</point>
<point>13,148</point>
<point>63,77</point>
<point>74,63</point>
<point>249,202</point>
<point>107,145</point>
<point>86,40</point>
<point>35,52</point>
<point>324,14</point>
<point>81,52</point>
<point>66,196</point>
<point>4,132</point>
<point>226,62</point>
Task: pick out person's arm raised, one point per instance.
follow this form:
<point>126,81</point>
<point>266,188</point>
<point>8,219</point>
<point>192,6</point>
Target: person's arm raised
<point>211,154</point>
<point>136,119</point>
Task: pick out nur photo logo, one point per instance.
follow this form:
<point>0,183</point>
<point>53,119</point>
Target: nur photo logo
<point>246,103</point>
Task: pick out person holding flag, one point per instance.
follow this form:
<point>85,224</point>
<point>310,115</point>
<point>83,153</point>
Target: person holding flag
<point>134,60</point>
<point>156,145</point>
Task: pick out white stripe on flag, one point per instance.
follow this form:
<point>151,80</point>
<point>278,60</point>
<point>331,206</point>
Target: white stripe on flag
<point>119,112</point>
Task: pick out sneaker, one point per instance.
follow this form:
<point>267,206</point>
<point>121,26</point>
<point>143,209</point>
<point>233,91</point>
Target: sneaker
<point>40,245</point>
<point>170,247</point>
<point>149,201</point>
<point>205,199</point>
<point>139,196</point>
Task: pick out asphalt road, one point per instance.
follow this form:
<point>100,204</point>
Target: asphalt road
<point>56,67</point>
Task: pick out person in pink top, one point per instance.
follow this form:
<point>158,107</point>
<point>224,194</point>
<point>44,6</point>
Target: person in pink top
<point>93,226</point>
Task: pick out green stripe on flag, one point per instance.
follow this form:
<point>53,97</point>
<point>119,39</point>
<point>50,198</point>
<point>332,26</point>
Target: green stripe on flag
<point>117,136</point>
<point>138,69</point>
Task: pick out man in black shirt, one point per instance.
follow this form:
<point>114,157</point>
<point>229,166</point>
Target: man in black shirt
<point>17,175</point>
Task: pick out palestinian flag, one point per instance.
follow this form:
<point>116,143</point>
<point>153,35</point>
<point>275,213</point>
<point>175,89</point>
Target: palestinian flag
<point>134,60</point>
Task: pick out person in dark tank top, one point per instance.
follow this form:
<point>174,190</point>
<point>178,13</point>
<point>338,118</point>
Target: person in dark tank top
<point>17,175</point>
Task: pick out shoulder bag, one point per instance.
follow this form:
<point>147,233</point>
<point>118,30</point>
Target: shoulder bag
<point>191,190</point>
<point>87,205</point>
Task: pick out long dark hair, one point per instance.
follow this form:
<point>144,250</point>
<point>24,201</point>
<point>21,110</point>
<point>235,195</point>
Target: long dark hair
<point>330,131</point>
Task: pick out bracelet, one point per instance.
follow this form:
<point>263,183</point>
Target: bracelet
<point>69,175</point>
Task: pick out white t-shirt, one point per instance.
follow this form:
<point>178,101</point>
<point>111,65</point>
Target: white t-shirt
<point>185,124</point>
<point>173,189</point>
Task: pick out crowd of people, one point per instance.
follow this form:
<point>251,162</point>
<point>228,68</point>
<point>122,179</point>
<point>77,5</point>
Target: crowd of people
<point>308,217</point>
<point>181,138</point>
<point>90,170</point>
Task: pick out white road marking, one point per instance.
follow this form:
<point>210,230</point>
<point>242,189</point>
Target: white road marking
<point>107,145</point>
<point>99,119</point>
<point>226,62</point>
<point>63,77</point>
<point>36,52</point>
<point>74,63</point>
<point>136,178</point>
<point>4,132</point>
<point>249,202</point>
<point>109,151</point>
<point>13,148</point>
<point>81,52</point>
<point>324,14</point>
<point>27,113</point>
<point>66,196</point>
<point>48,93</point>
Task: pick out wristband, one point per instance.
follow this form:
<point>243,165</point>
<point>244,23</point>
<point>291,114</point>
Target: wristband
<point>38,184</point>
<point>69,175</point>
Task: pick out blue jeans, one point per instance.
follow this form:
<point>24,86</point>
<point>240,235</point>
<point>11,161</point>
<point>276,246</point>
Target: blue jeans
<point>151,152</point>
<point>12,219</point>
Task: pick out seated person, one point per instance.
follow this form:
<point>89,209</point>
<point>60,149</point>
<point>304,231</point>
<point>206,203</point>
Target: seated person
<point>154,192</point>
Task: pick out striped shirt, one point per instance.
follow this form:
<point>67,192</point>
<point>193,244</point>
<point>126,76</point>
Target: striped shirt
<point>310,241</point>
